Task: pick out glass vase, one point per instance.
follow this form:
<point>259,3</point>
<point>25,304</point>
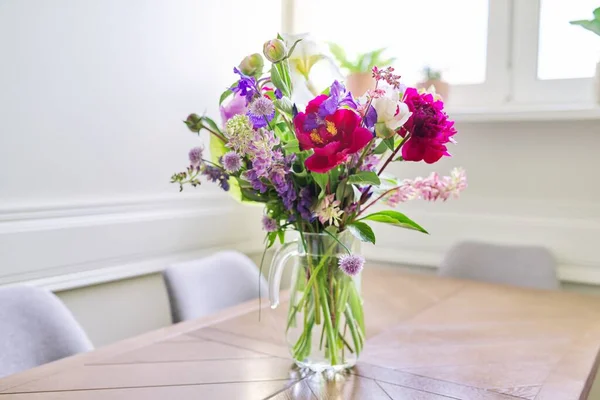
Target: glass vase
<point>325,327</point>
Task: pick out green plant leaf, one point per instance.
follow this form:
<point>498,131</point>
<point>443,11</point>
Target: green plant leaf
<point>213,126</point>
<point>597,13</point>
<point>389,143</point>
<point>289,54</point>
<point>321,180</point>
<point>279,81</point>
<point>593,25</point>
<point>362,231</point>
<point>364,178</point>
<point>338,52</point>
<point>381,148</point>
<point>394,218</point>
<point>225,95</point>
<point>292,146</point>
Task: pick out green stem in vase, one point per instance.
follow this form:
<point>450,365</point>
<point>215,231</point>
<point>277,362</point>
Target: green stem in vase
<point>331,336</point>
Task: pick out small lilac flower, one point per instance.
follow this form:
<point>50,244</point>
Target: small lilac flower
<point>351,264</point>
<point>370,163</point>
<point>305,204</point>
<point>231,161</point>
<point>269,224</point>
<point>278,94</point>
<point>195,156</point>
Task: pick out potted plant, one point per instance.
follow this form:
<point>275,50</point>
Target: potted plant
<point>433,78</point>
<point>359,78</point>
<point>594,26</point>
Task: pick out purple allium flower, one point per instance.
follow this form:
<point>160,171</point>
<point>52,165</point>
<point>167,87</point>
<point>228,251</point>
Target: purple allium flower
<point>231,161</point>
<point>351,264</point>
<point>269,224</point>
<point>195,156</point>
<point>262,107</point>
<point>215,174</point>
<point>261,110</point>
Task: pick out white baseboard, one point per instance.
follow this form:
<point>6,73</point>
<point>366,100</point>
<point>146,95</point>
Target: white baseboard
<point>67,245</point>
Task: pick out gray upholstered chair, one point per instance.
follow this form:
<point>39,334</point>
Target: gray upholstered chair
<point>36,328</point>
<point>202,287</point>
<point>527,266</point>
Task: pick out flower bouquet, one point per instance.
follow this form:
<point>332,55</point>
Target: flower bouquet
<point>319,172</point>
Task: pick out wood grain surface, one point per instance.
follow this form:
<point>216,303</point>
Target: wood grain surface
<point>428,338</point>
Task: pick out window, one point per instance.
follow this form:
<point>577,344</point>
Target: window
<point>566,51</point>
<point>411,33</point>
<point>494,52</point>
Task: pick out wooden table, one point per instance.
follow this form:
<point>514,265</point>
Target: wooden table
<point>428,338</point>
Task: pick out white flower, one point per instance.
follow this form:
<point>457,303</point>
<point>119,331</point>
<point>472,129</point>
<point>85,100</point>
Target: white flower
<point>391,112</point>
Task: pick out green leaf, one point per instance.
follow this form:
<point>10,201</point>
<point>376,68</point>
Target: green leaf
<point>597,13</point>
<point>362,231</point>
<point>381,148</point>
<point>394,218</point>
<point>343,190</point>
<point>389,143</point>
<point>225,95</point>
<point>593,25</point>
<point>338,52</point>
<point>289,54</point>
<point>279,81</point>
<point>322,180</point>
<point>398,159</point>
<point>213,126</point>
<point>292,146</point>
<point>364,178</point>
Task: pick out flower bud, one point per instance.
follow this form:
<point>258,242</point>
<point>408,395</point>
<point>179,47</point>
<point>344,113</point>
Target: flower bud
<point>252,65</point>
<point>194,122</point>
<point>274,50</point>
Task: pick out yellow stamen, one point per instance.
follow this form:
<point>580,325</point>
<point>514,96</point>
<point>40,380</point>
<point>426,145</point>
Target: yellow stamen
<point>330,127</point>
<point>315,137</point>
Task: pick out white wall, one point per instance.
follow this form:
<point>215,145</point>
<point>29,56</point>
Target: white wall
<point>93,94</point>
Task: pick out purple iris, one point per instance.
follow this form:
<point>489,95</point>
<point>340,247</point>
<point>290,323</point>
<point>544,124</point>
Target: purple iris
<point>323,106</point>
<point>370,117</point>
<point>246,86</point>
<point>338,97</point>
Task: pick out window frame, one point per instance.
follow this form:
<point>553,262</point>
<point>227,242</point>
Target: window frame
<point>511,62</point>
<point>527,87</point>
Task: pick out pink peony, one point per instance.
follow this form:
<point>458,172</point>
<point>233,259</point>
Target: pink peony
<point>428,126</point>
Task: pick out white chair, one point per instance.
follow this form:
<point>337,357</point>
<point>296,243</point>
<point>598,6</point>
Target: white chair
<point>202,287</point>
<point>36,328</point>
<point>526,266</point>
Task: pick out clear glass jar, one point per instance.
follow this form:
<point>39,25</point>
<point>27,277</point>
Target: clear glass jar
<point>325,327</point>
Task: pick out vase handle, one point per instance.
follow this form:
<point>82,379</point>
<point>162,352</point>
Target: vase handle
<point>278,264</point>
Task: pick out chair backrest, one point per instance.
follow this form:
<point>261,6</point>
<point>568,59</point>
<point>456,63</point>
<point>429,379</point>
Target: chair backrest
<point>202,287</point>
<point>527,266</point>
<point>36,328</point>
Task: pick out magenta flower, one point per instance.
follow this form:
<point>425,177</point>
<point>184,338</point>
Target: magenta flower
<point>429,128</point>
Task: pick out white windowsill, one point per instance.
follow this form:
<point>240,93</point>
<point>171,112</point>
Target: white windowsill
<point>515,113</point>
